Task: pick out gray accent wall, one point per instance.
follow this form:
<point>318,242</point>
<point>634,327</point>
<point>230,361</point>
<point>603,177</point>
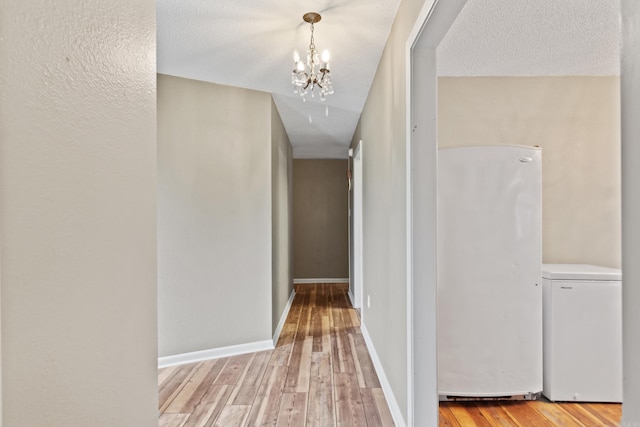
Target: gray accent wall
<point>320,219</point>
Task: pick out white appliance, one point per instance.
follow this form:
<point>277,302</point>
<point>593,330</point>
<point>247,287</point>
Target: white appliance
<point>489,272</point>
<point>582,318</point>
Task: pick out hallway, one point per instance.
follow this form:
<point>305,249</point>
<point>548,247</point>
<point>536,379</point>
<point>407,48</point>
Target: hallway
<point>320,374</point>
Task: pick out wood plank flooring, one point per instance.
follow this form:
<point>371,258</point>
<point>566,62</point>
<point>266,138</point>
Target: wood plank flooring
<point>320,374</point>
<point>529,414</point>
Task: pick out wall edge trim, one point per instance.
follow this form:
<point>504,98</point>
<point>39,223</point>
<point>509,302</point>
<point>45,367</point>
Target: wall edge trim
<point>396,412</point>
<point>283,318</point>
<point>214,353</point>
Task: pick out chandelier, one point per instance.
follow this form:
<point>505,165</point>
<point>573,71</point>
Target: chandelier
<point>305,78</point>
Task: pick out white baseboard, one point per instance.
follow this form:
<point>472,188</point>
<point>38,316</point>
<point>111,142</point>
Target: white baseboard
<point>351,298</point>
<point>396,412</point>
<point>214,353</point>
<point>298,281</point>
<point>283,318</point>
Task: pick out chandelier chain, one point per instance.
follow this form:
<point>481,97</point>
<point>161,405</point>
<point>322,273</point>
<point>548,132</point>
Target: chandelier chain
<point>312,45</point>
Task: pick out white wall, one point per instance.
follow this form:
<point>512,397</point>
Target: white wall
<point>78,213</point>
<point>630,93</point>
<point>214,216</point>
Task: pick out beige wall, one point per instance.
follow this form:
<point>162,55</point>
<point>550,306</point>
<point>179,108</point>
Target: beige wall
<point>214,216</point>
<point>282,217</point>
<point>382,127</point>
<point>320,221</point>
<point>576,121</point>
<point>78,213</point>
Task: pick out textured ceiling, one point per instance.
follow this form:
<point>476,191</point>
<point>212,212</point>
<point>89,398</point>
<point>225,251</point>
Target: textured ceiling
<point>533,38</point>
<point>248,43</point>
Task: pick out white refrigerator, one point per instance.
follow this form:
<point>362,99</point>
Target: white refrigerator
<point>489,272</point>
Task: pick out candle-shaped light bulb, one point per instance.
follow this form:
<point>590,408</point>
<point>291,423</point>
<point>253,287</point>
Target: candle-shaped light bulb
<point>326,56</point>
<point>300,66</point>
<point>296,56</point>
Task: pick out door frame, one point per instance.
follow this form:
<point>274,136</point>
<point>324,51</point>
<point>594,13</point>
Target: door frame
<point>433,22</point>
<point>358,240</point>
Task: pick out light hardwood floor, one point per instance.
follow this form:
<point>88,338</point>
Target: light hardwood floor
<point>320,374</point>
<point>529,413</point>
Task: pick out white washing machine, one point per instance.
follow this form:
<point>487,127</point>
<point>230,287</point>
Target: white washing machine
<point>582,333</point>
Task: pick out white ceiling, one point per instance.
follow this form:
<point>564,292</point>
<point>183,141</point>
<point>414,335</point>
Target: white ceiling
<point>248,43</point>
<point>533,38</point>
